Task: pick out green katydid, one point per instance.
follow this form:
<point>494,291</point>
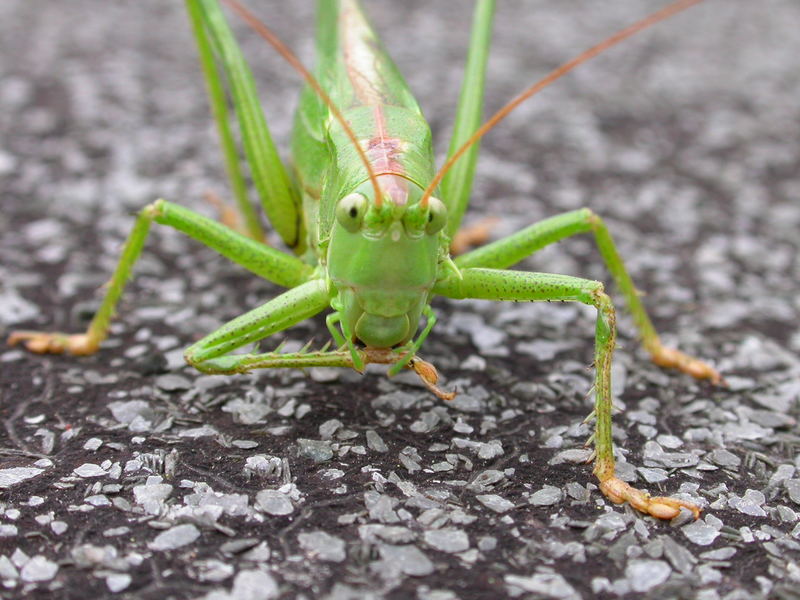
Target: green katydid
<point>371,241</point>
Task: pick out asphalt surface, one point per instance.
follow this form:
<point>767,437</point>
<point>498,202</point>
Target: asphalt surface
<point>128,475</point>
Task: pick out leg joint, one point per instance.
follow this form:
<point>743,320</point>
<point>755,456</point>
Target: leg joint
<point>593,219</point>
<point>599,295</point>
<point>190,357</point>
<point>154,209</point>
<point>605,309</point>
<point>602,300</point>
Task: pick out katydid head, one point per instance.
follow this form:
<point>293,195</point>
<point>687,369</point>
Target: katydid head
<point>383,261</point>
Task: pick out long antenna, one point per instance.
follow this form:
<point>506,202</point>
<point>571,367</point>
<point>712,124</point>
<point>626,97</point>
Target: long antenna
<point>266,33</point>
<point>501,114</point>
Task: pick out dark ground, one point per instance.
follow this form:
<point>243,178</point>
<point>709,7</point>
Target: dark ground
<point>125,474</point>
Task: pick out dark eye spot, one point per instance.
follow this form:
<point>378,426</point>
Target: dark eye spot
<point>353,212</point>
<point>430,217</point>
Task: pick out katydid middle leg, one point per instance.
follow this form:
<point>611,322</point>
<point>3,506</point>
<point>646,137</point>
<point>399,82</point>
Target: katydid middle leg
<point>496,284</point>
<point>510,250</point>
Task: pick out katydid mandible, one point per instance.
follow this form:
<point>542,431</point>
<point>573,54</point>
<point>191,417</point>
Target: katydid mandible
<point>369,220</point>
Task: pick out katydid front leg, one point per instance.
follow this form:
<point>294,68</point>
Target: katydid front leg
<point>510,250</point>
<point>262,260</point>
<point>212,353</point>
<point>494,284</point>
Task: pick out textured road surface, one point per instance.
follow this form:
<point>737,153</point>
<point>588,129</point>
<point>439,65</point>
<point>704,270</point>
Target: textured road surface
<point>126,474</point>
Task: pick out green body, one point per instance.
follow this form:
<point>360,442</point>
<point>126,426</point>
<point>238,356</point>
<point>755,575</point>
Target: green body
<point>383,272</point>
<point>374,263</point>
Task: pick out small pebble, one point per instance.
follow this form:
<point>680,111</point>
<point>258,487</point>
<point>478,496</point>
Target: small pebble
<point>58,527</point>
<point>118,582</point>
<point>490,450</point>
<point>90,470</point>
<point>653,475</point>
<point>725,458</point>
<point>409,560</point>
<point>239,545</point>
<point>700,533</point>
<point>447,540</point>
<point>254,585</point>
<point>375,442</point>
<point>719,554</point>
<point>173,383</point>
<point>329,428</point>
<point>542,585</point>
<point>494,502</point>
<point>38,568</point>
<point>92,444</point>
<point>175,537</point>
<point>15,475</point>
<point>647,574</point>
<point>274,502</point>
<point>793,489</point>
<point>547,496</point>
<point>212,570</point>
<point>7,568</point>
<point>316,450</point>
<point>322,546</point>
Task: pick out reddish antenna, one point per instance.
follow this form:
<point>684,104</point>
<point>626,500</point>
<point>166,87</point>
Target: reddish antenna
<point>266,33</point>
<point>501,114</point>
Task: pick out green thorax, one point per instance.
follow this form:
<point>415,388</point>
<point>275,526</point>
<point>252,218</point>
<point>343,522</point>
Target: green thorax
<point>364,83</point>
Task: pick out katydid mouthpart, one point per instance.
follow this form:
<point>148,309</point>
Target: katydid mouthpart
<point>369,220</point>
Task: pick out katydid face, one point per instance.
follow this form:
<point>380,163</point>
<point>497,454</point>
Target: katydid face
<point>386,263</point>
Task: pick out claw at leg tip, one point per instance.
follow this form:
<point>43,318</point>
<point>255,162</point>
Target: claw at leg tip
<point>429,376</point>
<point>660,507</point>
<point>675,359</point>
<point>39,342</point>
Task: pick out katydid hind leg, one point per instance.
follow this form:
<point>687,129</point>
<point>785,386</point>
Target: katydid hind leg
<point>266,262</point>
<point>244,218</point>
<point>510,250</point>
<point>496,284</point>
<point>457,183</point>
<point>279,197</point>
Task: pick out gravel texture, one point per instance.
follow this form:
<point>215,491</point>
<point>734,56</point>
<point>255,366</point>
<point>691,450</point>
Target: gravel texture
<point>125,474</point>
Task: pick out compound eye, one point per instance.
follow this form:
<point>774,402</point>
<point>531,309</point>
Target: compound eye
<point>437,215</point>
<point>351,210</point>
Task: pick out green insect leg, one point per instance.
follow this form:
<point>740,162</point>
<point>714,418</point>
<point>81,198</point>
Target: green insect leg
<point>279,197</point>
<point>412,348</point>
<point>457,183</point>
<point>219,109</point>
<point>494,284</point>
<point>212,353</point>
<point>510,250</point>
<point>330,321</point>
<point>260,259</point>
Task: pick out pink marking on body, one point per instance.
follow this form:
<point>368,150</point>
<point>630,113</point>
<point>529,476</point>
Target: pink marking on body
<point>358,59</point>
<point>383,153</point>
